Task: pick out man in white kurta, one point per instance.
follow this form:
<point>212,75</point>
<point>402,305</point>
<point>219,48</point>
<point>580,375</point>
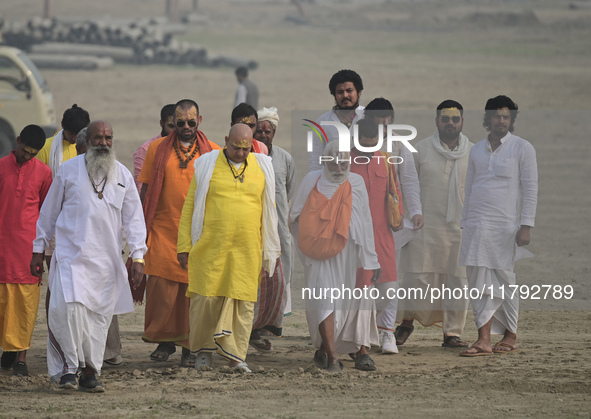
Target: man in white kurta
<point>499,211</point>
<point>430,261</point>
<point>346,87</point>
<point>285,187</point>
<point>92,197</point>
<point>343,325</point>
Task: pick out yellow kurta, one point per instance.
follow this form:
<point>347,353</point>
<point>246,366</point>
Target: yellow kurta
<point>69,151</point>
<point>227,260</point>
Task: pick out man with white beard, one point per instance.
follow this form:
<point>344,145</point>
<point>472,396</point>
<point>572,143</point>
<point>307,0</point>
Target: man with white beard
<point>92,197</point>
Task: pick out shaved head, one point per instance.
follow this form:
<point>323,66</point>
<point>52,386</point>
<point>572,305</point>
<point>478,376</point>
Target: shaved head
<point>238,143</point>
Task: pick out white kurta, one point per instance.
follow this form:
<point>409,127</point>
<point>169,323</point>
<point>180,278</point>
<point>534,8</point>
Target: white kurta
<point>437,247</point>
<point>285,187</point>
<point>354,319</point>
<point>501,194</point>
<point>332,134</point>
<point>408,180</point>
<point>88,236</point>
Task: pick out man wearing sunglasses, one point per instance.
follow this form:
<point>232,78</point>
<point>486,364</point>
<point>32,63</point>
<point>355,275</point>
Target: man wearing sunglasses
<point>166,127</point>
<point>166,176</point>
<point>431,260</point>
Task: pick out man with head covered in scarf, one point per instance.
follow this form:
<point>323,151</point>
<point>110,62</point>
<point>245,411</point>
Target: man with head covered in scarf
<point>331,222</point>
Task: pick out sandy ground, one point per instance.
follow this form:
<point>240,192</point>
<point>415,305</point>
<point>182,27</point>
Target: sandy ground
<point>416,54</point>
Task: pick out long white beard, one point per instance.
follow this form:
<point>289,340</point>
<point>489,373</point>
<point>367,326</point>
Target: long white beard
<point>100,165</point>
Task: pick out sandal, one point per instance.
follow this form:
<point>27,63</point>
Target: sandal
<point>335,367</point>
<point>188,360</point>
<point>365,363</point>
<point>8,359</point>
<point>261,345</point>
<point>20,369</point>
<point>242,368</point>
<point>321,360</point>
<point>402,333</point>
<point>118,360</point>
<point>454,342</point>
<point>162,352</point>
<point>504,348</point>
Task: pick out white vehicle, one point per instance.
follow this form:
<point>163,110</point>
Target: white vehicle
<point>24,98</point>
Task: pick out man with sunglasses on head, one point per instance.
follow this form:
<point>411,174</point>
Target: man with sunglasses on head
<point>166,127</point>
<point>166,176</point>
<point>431,260</point>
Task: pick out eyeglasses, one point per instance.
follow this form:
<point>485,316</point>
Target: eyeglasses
<point>455,119</point>
<point>192,123</point>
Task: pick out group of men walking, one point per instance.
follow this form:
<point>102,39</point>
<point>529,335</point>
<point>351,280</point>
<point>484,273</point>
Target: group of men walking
<point>214,231</point>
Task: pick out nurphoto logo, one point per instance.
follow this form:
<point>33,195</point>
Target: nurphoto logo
<point>344,138</point>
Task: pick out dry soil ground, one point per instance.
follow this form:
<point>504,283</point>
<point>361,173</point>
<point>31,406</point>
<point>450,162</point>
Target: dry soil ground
<point>416,54</point>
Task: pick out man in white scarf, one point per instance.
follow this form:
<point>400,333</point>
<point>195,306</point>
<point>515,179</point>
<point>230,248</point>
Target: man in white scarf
<point>431,259</point>
<point>345,324</point>
<point>62,147</point>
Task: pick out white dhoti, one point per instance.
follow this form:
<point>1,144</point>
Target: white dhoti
<point>498,306</point>
<point>354,326</point>
<point>354,318</point>
<point>76,335</point>
<point>448,308</point>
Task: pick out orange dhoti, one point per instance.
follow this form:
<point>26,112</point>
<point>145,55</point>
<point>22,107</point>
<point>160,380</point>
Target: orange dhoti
<point>167,312</point>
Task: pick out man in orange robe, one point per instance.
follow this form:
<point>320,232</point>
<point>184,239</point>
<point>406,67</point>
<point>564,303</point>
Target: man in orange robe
<point>166,176</point>
<point>373,168</point>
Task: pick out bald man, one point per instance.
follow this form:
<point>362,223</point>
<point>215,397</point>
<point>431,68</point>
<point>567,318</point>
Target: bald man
<point>228,226</point>
<point>87,279</point>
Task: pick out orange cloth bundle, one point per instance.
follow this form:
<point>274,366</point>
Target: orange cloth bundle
<point>324,223</point>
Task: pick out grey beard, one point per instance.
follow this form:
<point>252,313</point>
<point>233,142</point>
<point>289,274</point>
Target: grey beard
<point>100,165</point>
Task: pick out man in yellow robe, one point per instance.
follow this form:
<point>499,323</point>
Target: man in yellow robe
<point>228,226</point>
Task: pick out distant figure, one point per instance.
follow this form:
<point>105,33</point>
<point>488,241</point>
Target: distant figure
<point>247,91</point>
